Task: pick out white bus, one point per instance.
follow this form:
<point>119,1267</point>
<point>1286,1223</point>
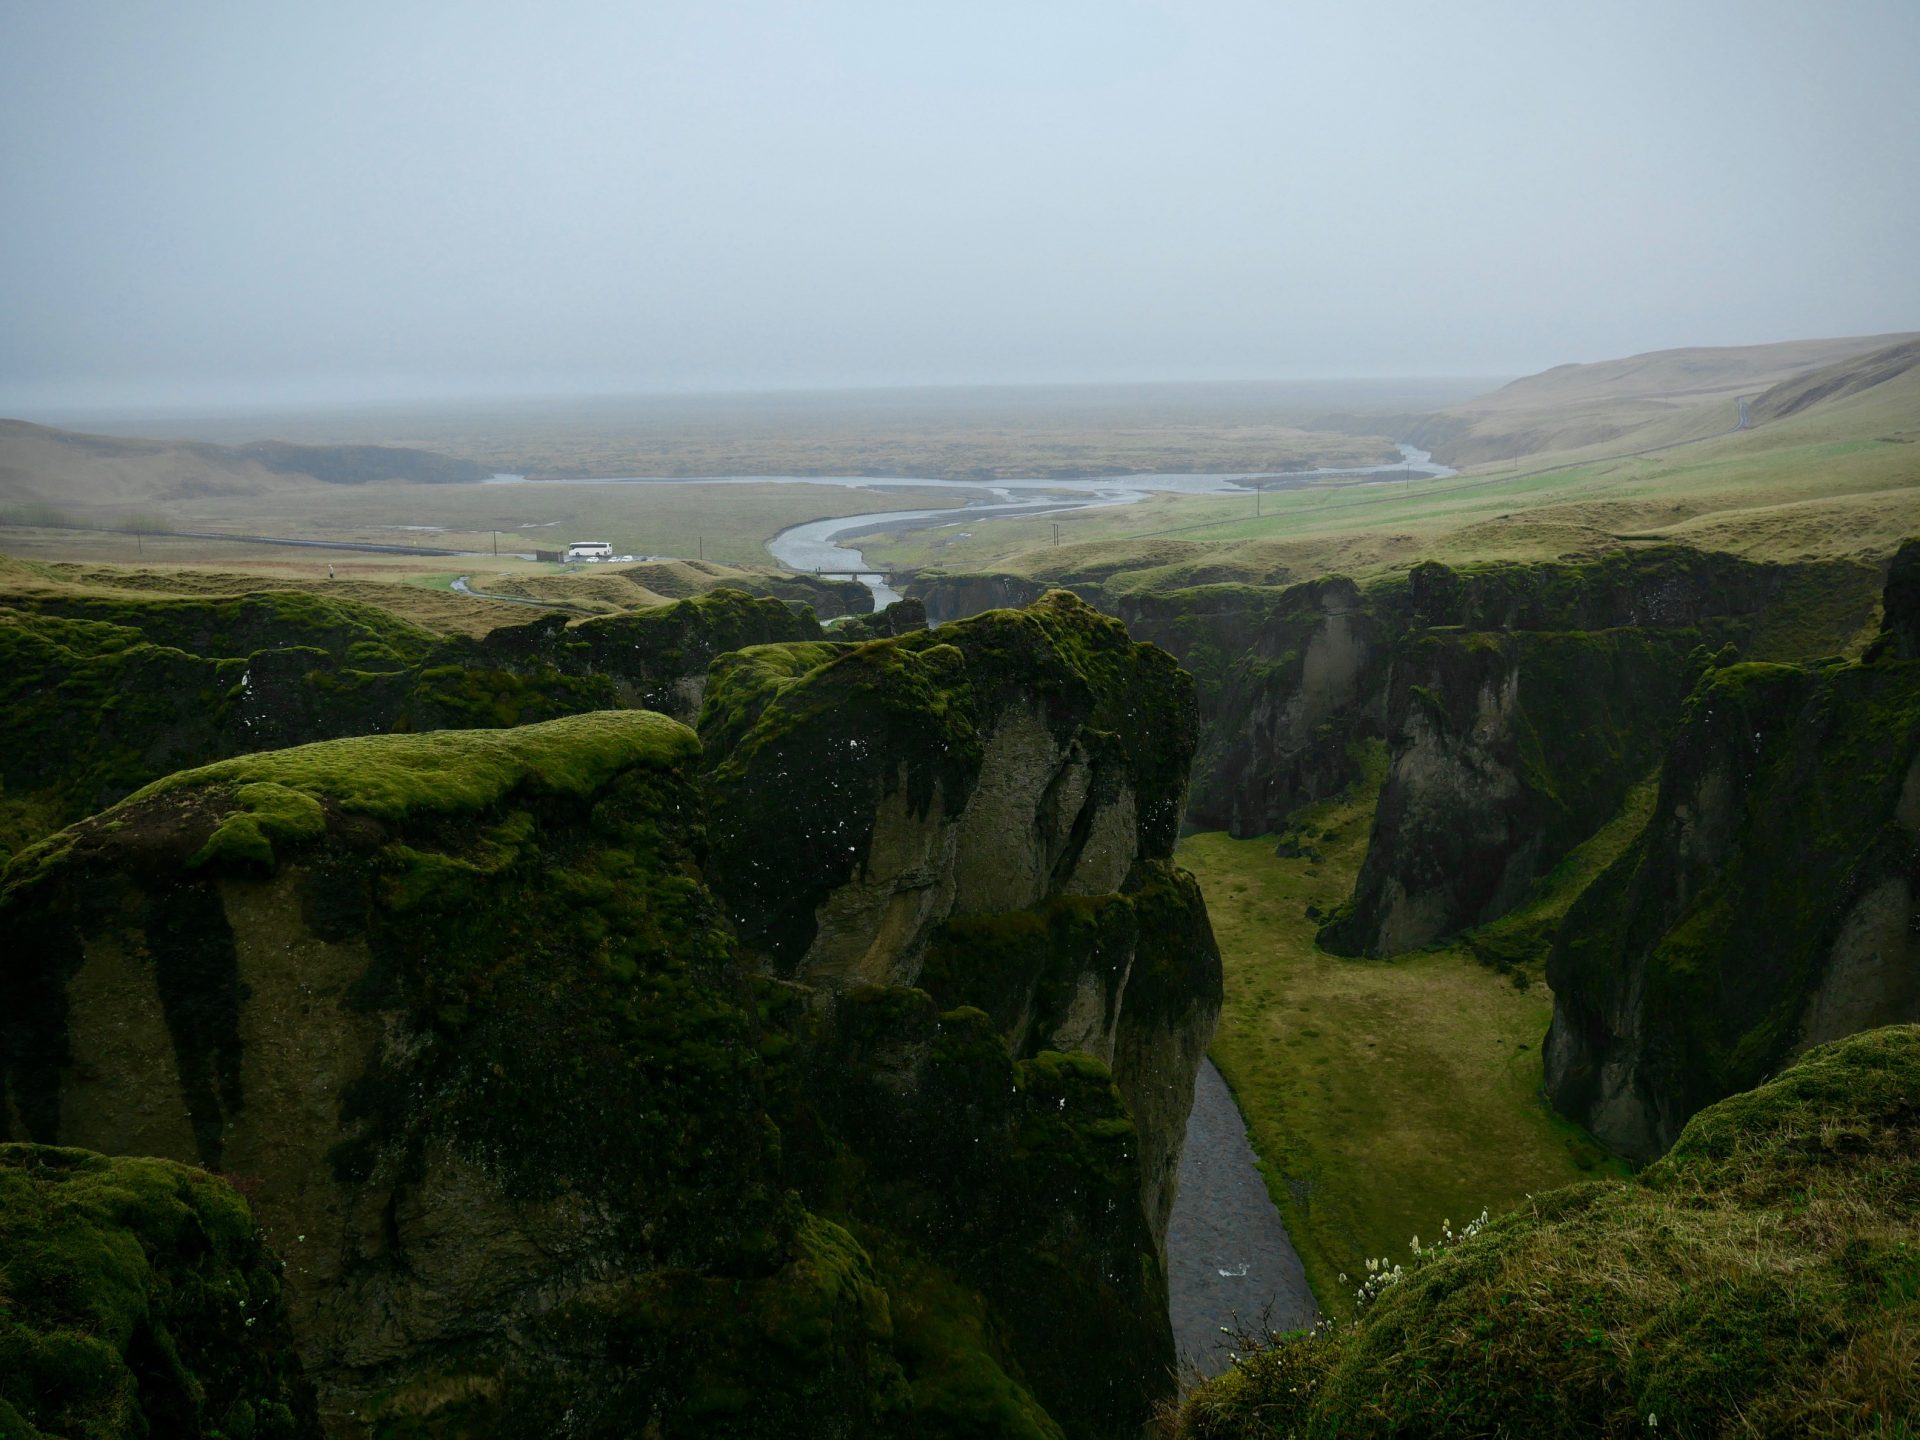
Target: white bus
<point>589,550</point>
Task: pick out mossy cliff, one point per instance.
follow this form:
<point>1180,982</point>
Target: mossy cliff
<point>1762,1279</point>
<point>136,1298</point>
<point>979,768</point>
<point>1507,751</point>
<point>104,693</point>
<point>1521,703</point>
<point>452,1004</point>
<point>652,659</point>
<point>986,812</point>
<point>1772,902</point>
<point>1290,677</point>
<point>1292,680</point>
<point>545,1151</point>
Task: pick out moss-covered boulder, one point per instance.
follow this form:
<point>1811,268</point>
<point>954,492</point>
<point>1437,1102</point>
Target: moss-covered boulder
<point>1762,1279</point>
<point>1773,901</point>
<point>136,1299</point>
<point>897,619</point>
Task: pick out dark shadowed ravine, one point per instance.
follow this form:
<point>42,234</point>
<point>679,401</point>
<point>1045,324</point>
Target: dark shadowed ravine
<point>1228,1255</point>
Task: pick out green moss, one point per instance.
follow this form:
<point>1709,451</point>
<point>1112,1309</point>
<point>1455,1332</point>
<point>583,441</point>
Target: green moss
<point>1799,773</point>
<point>1754,1282</point>
<point>742,683</point>
<point>243,624</point>
<point>267,811</point>
<point>1022,967</point>
<point>106,694</point>
<point>802,758</point>
<point>136,1298</point>
<point>954,1364</point>
<point>394,777</point>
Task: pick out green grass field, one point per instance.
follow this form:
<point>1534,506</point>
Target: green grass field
<point>1383,1096</point>
<point>730,524</point>
<point>1839,480</point>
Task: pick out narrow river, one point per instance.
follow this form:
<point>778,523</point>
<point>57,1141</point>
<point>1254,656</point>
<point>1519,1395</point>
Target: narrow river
<point>816,544</point>
<point>1229,1261</point>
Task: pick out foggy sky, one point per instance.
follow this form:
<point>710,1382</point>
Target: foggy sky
<point>218,203</point>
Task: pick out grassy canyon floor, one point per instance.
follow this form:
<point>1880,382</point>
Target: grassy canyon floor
<point>1383,1096</point>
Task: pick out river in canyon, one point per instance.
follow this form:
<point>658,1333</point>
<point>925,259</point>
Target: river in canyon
<point>1230,1265</point>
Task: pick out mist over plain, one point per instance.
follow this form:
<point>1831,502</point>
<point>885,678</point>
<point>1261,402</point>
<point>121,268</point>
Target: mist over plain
<point>220,205</point>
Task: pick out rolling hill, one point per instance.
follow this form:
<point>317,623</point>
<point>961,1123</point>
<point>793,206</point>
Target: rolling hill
<point>1639,402</point>
<point>39,464</point>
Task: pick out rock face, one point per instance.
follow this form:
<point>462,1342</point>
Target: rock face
<point>104,694</point>
<point>1523,702</point>
<point>139,1300</point>
<point>1508,750</point>
<point>1760,1279</point>
<point>547,1149</point>
<point>987,812</point>
<point>1773,901</point>
<point>1288,707</point>
<point>1520,702</point>
<point>1900,604</point>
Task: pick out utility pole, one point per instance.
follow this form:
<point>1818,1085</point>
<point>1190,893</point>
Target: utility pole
<point>1257,487</point>
<point>496,544</point>
<point>702,542</point>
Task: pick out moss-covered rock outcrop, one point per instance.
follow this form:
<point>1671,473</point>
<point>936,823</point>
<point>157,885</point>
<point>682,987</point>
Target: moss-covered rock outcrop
<point>1522,702</point>
<point>1900,605</point>
<point>452,1002</point>
<point>985,811</point>
<point>1508,750</point>
<point>103,693</point>
<point>977,768</point>
<point>1762,1279</point>
<point>1773,901</point>
<point>545,1149</point>
<point>136,1298</point>
<point>896,619</point>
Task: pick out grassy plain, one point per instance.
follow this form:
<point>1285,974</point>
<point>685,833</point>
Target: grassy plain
<point>1385,1096</point>
<point>730,524</point>
<point>1838,480</point>
<point>399,588</point>
<point>955,432</point>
